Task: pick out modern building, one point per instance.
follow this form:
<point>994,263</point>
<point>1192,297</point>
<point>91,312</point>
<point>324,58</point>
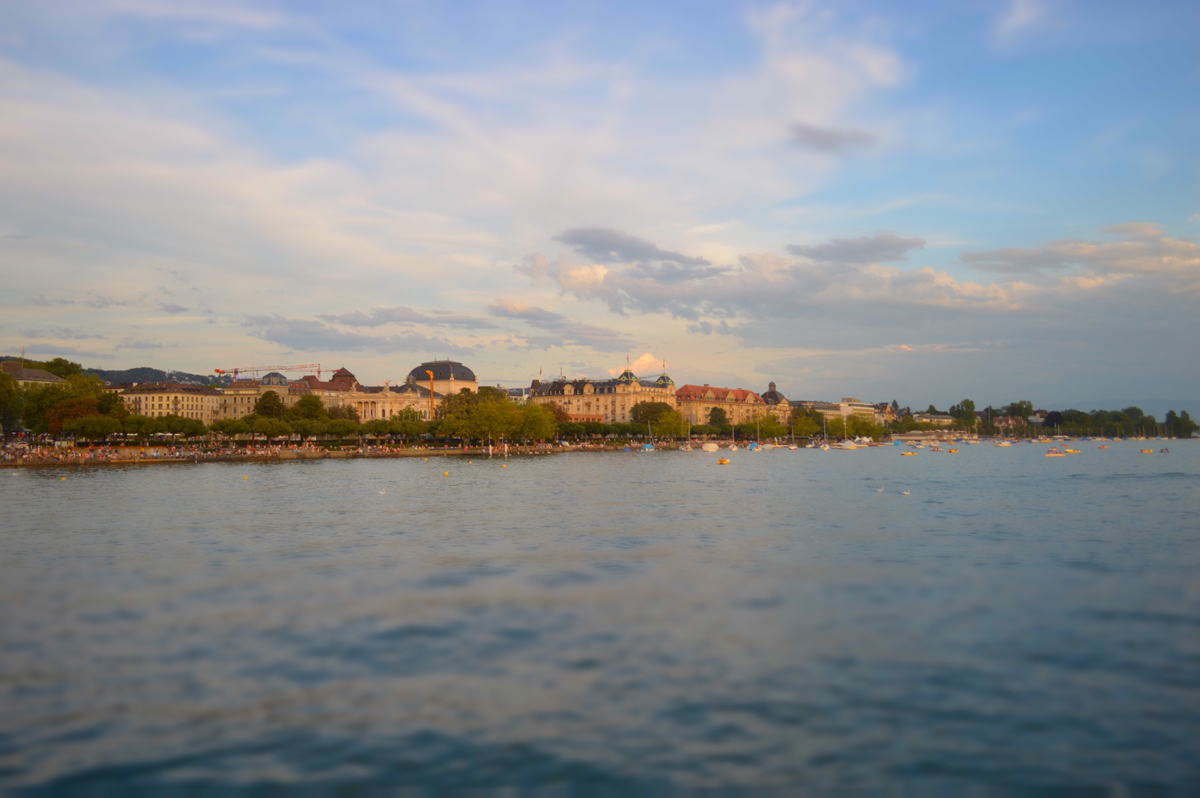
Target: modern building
<point>938,419</point>
<point>605,401</point>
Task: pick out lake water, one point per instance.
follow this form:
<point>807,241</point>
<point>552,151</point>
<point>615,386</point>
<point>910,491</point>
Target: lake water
<point>593,621</point>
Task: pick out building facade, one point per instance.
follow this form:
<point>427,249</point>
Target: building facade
<point>449,377</point>
<point>605,401</point>
<point>696,402</point>
<point>27,376</point>
<point>159,399</point>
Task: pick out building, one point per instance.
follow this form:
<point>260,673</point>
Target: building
<point>849,406</point>
<point>605,401</point>
<point>157,399</point>
<point>27,376</point>
<point>938,419</point>
<point>777,404</point>
<point>695,402</point>
<point>449,377</point>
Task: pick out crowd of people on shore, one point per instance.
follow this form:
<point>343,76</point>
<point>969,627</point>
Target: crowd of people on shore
<point>24,454</point>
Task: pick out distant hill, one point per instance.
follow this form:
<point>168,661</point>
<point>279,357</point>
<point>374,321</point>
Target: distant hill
<point>141,374</point>
<point>1155,407</point>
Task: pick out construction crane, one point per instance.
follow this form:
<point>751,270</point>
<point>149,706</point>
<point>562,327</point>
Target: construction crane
<point>257,369</point>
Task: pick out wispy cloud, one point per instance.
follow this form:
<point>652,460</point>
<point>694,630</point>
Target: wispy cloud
<point>613,246</point>
<point>829,139</point>
<point>566,332</point>
<point>378,317</point>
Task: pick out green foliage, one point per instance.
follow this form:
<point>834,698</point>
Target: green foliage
<point>1022,409</point>
<point>92,427</point>
<point>642,412</point>
<point>269,405</point>
<point>806,422</point>
<point>113,405</point>
<point>272,428</point>
<point>230,427</point>
<point>308,407</point>
<point>964,411</point>
<point>486,415</point>
<point>61,367</point>
<point>538,423</point>
<point>69,409</point>
<point>717,417</point>
<point>377,428</point>
<point>668,423</point>
<point>38,401</point>
<point>345,413</point>
<point>11,399</point>
<point>307,428</point>
<point>143,426</point>
<point>342,427</point>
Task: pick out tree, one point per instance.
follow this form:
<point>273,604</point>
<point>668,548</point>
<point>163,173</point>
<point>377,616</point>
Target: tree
<point>271,428</point>
<point>538,423</point>
<point>68,409</point>
<point>486,415</point>
<point>11,398</point>
<point>407,423</point>
<point>61,367</point>
<point>642,412</point>
<point>668,424</point>
<point>92,427</point>
<point>1022,409</point>
<point>306,428</point>
<point>964,411</point>
<point>717,417</point>
<point>37,403</point>
<point>230,427</point>
<point>806,422</point>
<point>933,411</point>
<point>143,426</point>
<point>269,405</point>
<point>1053,419</point>
<point>342,427</point>
<point>308,407</point>
<point>377,428</point>
<point>113,405</point>
<point>343,413</point>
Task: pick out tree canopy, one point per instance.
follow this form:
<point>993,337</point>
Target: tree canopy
<point>269,405</point>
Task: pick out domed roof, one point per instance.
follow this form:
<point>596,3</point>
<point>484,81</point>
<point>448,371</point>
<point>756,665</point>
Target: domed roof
<point>443,370</point>
<point>276,379</point>
<point>664,380</point>
<point>772,396</point>
<point>627,376</point>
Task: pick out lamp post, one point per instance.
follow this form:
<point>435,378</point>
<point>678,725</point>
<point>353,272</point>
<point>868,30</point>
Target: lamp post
<point>430,373</point>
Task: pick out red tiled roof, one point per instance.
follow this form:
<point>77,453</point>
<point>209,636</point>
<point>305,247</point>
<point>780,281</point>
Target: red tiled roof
<point>699,393</point>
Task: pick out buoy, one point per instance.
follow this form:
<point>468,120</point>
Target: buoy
<point>64,479</point>
<point>504,466</point>
<point>446,474</point>
<point>245,477</point>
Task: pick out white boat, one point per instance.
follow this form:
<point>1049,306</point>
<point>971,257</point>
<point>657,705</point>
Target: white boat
<point>733,447</point>
<point>709,447</point>
<point>848,445</point>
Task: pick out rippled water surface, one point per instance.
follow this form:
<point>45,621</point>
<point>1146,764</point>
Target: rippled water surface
<point>620,620</point>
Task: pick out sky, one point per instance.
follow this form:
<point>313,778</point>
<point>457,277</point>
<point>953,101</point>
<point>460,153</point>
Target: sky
<point>915,201</point>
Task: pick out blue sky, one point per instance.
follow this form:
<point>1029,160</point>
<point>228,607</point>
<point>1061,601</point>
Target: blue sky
<point>990,200</point>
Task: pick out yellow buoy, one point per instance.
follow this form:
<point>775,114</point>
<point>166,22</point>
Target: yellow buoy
<point>245,477</point>
<point>64,479</point>
<point>504,466</point>
<point>446,474</point>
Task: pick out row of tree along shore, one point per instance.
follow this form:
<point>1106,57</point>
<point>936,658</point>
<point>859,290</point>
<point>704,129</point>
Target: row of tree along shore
<point>81,409</point>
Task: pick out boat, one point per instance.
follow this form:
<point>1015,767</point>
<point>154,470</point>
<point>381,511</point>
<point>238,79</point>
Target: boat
<point>1164,451</point>
<point>733,447</point>
<point>952,451</point>
<point>908,454</point>
<point>709,447</point>
<point>1103,447</point>
<point>1146,451</point>
<point>649,447</point>
<point>1003,443</point>
<point>687,447</point>
<point>1055,453</point>
<point>723,461</point>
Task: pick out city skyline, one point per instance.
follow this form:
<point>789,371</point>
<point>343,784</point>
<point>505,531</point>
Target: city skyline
<point>868,200</point>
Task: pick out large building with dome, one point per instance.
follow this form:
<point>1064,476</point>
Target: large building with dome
<point>449,377</point>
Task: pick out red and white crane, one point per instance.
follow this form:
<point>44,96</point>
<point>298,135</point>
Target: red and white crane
<point>257,369</point>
